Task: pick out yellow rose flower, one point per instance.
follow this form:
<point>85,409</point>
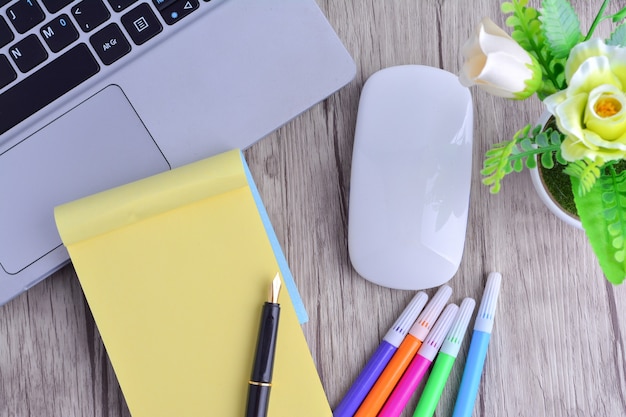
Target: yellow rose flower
<point>591,111</point>
<point>498,64</point>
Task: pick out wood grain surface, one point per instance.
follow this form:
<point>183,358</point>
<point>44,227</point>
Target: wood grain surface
<point>558,347</point>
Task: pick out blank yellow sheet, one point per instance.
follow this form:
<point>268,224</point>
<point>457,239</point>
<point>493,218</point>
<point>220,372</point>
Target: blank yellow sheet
<point>176,268</point>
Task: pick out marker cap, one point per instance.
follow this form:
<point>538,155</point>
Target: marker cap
<point>427,318</point>
<point>487,309</point>
<point>454,338</point>
<point>435,338</point>
<point>401,327</point>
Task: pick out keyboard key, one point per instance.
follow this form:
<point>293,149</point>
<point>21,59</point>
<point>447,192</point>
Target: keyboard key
<point>54,6</point>
<point>178,10</point>
<point>46,85</point>
<point>90,14</point>
<point>7,73</point>
<point>4,2</point>
<point>141,23</point>
<point>25,15</point>
<point>59,33</point>
<point>110,44</point>
<point>6,34</point>
<point>163,4</point>
<point>28,53</point>
<point>119,5</point>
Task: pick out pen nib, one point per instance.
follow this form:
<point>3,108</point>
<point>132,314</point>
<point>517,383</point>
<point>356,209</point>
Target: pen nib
<point>275,289</point>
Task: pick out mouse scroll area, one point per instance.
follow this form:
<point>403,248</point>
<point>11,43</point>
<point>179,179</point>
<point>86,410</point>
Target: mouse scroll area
<point>99,144</point>
<point>410,182</point>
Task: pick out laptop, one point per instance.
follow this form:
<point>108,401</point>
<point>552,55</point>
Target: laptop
<point>98,93</point>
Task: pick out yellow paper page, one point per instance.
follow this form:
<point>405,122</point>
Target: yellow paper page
<point>177,294</point>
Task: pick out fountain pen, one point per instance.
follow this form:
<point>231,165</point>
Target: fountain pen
<point>261,381</point>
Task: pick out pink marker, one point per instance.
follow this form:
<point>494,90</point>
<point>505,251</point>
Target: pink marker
<point>419,365</point>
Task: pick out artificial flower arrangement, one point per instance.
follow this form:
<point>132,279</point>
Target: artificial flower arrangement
<point>582,83</point>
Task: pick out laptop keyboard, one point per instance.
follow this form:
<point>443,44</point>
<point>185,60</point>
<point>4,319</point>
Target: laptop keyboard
<point>49,47</point>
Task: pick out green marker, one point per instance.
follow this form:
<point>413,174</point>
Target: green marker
<point>445,359</point>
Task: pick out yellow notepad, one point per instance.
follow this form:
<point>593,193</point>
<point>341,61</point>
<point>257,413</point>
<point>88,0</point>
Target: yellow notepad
<point>176,269</point>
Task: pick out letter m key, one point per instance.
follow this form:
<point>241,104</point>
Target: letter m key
<point>47,32</point>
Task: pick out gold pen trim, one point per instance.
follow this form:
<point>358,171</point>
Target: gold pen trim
<point>260,384</point>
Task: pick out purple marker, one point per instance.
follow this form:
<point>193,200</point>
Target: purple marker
<point>375,366</point>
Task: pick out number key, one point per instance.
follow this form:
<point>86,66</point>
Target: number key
<point>90,13</point>
<point>25,14</point>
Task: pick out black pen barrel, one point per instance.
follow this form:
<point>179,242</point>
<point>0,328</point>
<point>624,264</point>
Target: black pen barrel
<point>260,382</point>
<point>258,401</point>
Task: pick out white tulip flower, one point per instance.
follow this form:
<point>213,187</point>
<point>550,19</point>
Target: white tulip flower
<point>498,64</point>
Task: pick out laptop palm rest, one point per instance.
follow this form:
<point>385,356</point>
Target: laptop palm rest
<point>65,161</point>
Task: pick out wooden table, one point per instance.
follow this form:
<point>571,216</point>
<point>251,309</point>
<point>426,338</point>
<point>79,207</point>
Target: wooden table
<point>559,342</point>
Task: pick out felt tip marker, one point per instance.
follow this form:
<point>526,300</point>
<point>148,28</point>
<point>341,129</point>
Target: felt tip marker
<point>483,325</point>
<point>443,365</point>
<point>381,357</point>
<point>403,356</point>
<point>419,365</point>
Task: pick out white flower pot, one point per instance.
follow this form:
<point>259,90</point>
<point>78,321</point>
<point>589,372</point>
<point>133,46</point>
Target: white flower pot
<point>544,193</point>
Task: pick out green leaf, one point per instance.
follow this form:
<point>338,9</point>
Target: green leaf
<point>541,139</point>
<point>561,27</point>
<point>547,161</point>
<point>586,171</point>
<point>618,37</point>
<point>619,16</point>
<point>513,21</point>
<point>507,7</point>
<point>602,213</point>
<point>530,13</point>
<point>556,137</point>
<point>526,144</point>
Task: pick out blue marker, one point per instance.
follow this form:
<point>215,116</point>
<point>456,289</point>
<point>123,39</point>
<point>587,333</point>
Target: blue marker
<point>478,348</point>
<point>374,367</point>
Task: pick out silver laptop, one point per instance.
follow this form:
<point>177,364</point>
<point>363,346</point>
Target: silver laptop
<point>98,93</point>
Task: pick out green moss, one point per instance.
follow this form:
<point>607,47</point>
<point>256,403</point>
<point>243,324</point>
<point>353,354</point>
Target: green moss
<point>559,186</point>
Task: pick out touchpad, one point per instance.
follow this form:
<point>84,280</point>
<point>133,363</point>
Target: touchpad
<point>99,144</point>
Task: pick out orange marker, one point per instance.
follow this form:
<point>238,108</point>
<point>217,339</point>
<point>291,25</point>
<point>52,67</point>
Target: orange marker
<point>406,351</point>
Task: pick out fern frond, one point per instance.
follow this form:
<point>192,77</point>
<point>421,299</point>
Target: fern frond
<point>561,27</point>
<point>505,157</point>
<point>521,21</point>
<point>602,212</point>
<point>497,165</point>
<point>526,31</point>
<point>618,37</point>
<point>586,171</point>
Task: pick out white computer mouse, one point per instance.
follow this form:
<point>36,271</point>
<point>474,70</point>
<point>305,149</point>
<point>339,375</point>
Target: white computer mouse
<point>410,179</point>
